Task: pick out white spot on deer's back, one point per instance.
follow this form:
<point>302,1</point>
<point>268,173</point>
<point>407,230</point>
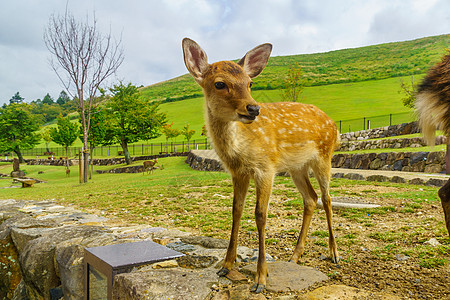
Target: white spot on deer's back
<point>281,130</point>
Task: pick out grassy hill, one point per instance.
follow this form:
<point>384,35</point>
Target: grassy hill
<point>341,66</point>
<point>346,84</point>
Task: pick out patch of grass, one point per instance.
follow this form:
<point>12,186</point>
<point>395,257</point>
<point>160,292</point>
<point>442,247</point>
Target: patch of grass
<point>433,262</point>
<point>386,236</point>
<point>350,236</point>
<point>320,233</point>
<point>321,243</point>
<point>272,241</point>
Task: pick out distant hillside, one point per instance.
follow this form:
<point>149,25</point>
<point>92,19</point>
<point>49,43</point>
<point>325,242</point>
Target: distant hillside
<point>348,65</point>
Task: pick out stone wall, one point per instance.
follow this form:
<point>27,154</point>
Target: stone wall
<point>99,162</point>
<point>428,162</point>
<point>382,132</point>
<point>392,143</point>
<point>42,250</point>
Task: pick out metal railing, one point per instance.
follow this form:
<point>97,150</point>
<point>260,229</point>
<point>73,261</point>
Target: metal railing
<point>116,150</point>
<point>374,122</point>
<point>172,147</point>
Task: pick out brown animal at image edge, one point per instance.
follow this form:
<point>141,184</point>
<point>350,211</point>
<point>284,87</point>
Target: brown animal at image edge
<point>433,111</point>
<point>257,140</point>
<point>149,165</point>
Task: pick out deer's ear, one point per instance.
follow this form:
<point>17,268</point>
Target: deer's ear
<point>195,59</point>
<point>256,60</point>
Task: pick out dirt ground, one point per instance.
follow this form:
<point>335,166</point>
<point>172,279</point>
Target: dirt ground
<point>380,252</point>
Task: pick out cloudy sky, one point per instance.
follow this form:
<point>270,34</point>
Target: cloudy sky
<point>152,32</point>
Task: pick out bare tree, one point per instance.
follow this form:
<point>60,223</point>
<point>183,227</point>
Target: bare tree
<point>83,59</point>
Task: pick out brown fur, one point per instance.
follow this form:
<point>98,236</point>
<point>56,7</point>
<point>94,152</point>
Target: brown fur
<point>433,100</point>
<point>148,165</point>
<point>287,136</point>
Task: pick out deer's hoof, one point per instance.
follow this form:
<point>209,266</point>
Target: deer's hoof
<point>258,288</point>
<point>335,259</point>
<point>223,272</point>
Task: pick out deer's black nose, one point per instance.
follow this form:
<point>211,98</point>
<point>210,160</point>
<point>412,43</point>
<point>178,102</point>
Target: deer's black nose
<point>253,110</point>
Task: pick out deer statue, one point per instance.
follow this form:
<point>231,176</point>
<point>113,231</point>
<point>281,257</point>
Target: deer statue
<point>148,165</point>
<point>257,140</point>
<point>433,111</point>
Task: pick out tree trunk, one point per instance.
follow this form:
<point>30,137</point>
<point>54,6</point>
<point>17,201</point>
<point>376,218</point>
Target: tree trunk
<point>91,162</point>
<point>67,157</point>
<point>85,154</point>
<point>48,151</point>
<point>19,155</point>
<point>125,152</point>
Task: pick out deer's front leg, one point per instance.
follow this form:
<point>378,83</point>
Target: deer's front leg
<point>240,186</point>
<point>263,191</point>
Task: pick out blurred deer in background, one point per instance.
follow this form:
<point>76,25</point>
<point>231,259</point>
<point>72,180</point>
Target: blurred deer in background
<point>433,110</point>
<point>257,140</point>
<point>149,165</point>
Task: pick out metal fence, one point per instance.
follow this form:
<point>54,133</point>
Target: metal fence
<point>374,122</point>
<point>172,147</point>
<point>116,150</point>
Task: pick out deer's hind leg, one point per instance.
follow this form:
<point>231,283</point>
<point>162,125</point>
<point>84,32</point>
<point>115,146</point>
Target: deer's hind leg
<point>301,181</point>
<point>322,172</point>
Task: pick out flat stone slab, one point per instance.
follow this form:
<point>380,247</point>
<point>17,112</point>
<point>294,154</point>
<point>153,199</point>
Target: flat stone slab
<point>343,292</point>
<point>165,284</point>
<point>299,277</point>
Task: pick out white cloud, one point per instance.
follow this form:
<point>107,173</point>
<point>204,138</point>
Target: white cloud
<point>152,31</point>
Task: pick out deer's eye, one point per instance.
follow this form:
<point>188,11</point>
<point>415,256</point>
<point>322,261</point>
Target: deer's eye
<point>220,85</point>
<point>251,84</point>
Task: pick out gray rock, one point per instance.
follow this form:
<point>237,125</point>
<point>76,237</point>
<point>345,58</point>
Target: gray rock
<point>436,182</point>
<point>196,261</point>
<point>38,257</point>
<point>379,178</point>
<point>254,257</point>
<point>69,261</point>
<point>21,237</point>
<point>401,257</point>
<point>176,284</point>
<point>207,242</point>
<point>354,176</point>
<point>398,179</point>
<point>181,247</point>
<point>417,181</point>
<point>300,277</point>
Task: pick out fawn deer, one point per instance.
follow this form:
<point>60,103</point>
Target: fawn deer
<point>257,140</point>
<point>149,164</point>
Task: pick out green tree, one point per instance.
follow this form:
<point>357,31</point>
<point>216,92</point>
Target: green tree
<point>130,118</point>
<point>16,99</point>
<point>409,93</point>
<point>45,135</point>
<point>188,133</point>
<point>293,83</point>
<point>63,98</point>
<point>48,99</point>
<point>170,132</point>
<point>17,129</point>
<point>65,134</point>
